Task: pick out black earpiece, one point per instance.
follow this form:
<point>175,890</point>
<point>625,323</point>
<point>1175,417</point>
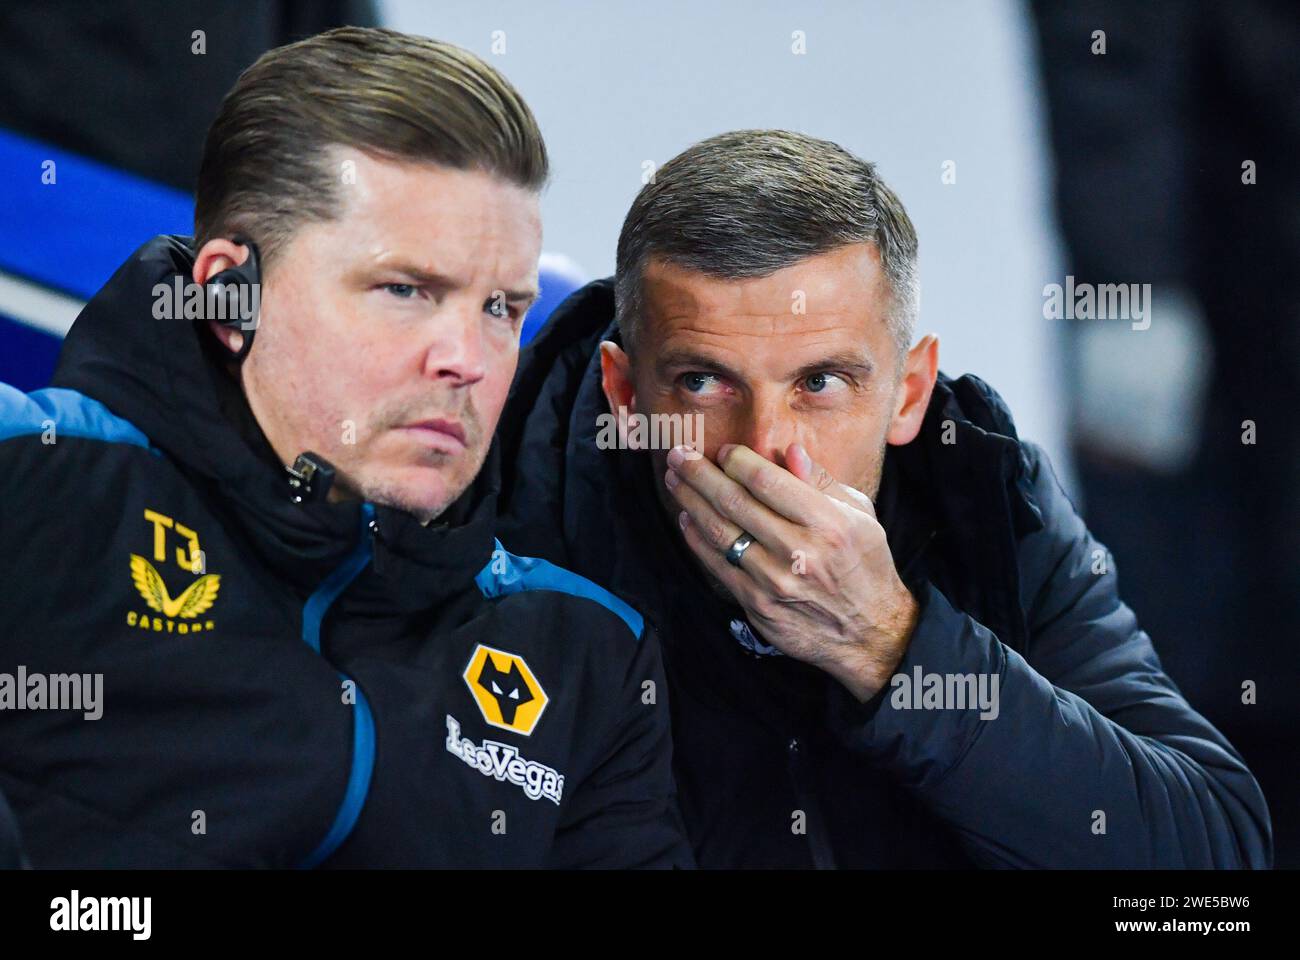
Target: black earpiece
<point>237,294</point>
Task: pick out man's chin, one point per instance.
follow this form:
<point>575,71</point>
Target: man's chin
<point>423,491</point>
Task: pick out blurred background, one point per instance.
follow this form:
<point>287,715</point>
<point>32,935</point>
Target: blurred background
<point>1106,141</point>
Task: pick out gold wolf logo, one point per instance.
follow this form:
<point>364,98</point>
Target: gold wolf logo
<point>196,598</point>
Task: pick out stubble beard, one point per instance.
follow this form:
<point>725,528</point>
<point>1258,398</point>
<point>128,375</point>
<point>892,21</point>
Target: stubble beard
<point>382,491</point>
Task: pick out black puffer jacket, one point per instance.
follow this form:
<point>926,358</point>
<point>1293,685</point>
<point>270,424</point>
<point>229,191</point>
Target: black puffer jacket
<point>1094,758</point>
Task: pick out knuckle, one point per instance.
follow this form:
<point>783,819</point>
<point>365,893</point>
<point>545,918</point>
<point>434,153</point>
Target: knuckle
<point>732,502</point>
<point>836,538</point>
<point>867,534</point>
<point>785,590</point>
<point>716,534</point>
<point>763,481</point>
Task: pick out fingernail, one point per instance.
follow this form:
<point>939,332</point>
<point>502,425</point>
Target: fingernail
<point>683,520</point>
<point>675,457</point>
<point>671,479</point>
<point>724,450</point>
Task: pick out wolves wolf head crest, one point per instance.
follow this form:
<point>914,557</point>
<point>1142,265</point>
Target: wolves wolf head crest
<point>507,687</point>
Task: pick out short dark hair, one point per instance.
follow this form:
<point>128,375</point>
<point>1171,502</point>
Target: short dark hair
<point>751,202</point>
<point>266,168</point>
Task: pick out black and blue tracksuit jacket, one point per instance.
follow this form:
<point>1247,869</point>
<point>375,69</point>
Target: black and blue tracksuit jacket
<point>288,684</point>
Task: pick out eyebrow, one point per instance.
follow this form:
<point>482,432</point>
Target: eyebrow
<point>694,360</point>
<point>434,279</point>
<point>847,362</point>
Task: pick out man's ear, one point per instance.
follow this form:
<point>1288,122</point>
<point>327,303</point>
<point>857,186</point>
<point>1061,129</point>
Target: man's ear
<point>213,257</point>
<point>912,396</point>
<point>616,382</point>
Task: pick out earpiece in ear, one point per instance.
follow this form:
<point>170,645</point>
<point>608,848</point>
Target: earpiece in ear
<point>238,292</point>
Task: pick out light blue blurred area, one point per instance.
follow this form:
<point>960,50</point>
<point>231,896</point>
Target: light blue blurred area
<point>906,84</point>
<point>558,276</point>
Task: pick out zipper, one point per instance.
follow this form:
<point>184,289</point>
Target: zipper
<point>319,603</point>
<point>363,723</point>
<point>376,554</point>
<point>822,857</point>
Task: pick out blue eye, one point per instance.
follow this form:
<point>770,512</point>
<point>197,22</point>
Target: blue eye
<point>824,383</point>
<point>403,291</point>
<point>697,382</point>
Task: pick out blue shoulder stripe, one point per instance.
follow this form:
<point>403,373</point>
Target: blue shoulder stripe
<point>506,574</point>
<point>73,415</point>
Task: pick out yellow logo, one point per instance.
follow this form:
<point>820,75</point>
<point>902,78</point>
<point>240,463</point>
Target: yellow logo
<point>507,693</point>
<point>195,600</point>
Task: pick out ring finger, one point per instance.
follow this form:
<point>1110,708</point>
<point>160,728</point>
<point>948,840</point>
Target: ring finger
<point>717,532</point>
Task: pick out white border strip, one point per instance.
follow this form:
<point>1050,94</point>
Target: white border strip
<point>36,306</point>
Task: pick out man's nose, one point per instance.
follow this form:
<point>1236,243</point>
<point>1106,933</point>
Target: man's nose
<point>457,352</point>
<point>769,430</point>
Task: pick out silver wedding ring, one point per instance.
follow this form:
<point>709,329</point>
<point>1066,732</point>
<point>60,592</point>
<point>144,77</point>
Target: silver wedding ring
<point>737,549</point>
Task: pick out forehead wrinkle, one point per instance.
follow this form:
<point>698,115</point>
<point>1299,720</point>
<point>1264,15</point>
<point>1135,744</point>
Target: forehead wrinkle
<point>798,327</point>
